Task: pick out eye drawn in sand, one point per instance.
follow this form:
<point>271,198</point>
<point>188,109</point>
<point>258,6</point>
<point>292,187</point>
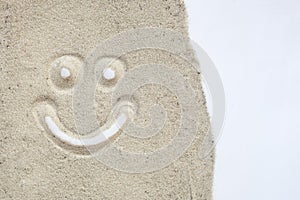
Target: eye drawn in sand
<point>63,74</point>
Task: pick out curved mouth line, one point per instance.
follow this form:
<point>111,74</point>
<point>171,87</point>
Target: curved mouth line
<point>47,117</point>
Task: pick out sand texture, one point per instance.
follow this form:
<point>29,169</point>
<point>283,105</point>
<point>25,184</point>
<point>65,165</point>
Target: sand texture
<point>33,165</point>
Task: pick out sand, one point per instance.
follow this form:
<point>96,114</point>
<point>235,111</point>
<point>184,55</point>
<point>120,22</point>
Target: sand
<point>33,164</point>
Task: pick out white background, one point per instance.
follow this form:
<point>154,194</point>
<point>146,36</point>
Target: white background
<point>255,45</point>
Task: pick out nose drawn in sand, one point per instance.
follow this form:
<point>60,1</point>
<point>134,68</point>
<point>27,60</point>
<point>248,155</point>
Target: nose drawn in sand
<point>63,75</point>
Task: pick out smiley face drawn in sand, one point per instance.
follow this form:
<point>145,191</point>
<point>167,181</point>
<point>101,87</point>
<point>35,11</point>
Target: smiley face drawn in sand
<point>63,75</point>
<point>104,67</point>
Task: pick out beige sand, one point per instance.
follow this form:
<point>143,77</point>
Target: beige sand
<point>32,165</point>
